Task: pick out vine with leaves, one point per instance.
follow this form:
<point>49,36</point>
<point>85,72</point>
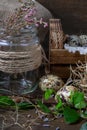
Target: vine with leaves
<point>72,112</point>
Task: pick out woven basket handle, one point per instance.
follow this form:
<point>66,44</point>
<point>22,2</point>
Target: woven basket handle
<point>56,34</point>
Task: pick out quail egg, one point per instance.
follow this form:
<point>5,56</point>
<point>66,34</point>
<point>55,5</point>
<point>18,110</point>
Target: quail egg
<point>74,41</point>
<point>50,82</point>
<point>83,40</point>
<point>65,93</point>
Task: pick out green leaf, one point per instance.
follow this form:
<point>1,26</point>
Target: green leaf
<point>83,114</point>
<point>59,104</point>
<point>48,93</point>
<point>70,115</point>
<point>84,126</point>
<point>25,105</point>
<point>77,98</point>
<point>80,105</point>
<point>43,107</point>
<point>6,101</point>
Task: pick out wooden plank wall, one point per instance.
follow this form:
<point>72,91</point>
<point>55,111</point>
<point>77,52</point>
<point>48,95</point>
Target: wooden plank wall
<point>73,14</point>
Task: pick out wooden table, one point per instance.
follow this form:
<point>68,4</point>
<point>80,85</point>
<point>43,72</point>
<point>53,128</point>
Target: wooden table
<point>23,117</point>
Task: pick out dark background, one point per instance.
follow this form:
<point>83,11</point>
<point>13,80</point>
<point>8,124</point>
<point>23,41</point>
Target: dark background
<point>73,14</point>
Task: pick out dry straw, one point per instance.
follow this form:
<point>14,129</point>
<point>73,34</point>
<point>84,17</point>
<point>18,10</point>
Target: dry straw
<point>79,76</point>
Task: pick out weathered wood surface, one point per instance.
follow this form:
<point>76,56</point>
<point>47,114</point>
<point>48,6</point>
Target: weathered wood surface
<point>62,56</point>
<point>38,123</point>
<point>62,71</point>
<point>60,61</point>
<point>73,14</point>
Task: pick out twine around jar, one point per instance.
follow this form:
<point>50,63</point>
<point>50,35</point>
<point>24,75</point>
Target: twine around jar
<point>18,62</point>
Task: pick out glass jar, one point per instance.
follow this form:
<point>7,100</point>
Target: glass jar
<point>18,74</point>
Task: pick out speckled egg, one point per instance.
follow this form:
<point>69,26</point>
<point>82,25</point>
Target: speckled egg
<point>65,93</point>
<point>50,82</point>
<point>74,41</point>
<point>83,40</point>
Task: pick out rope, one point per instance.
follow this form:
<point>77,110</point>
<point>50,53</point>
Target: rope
<point>18,62</point>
